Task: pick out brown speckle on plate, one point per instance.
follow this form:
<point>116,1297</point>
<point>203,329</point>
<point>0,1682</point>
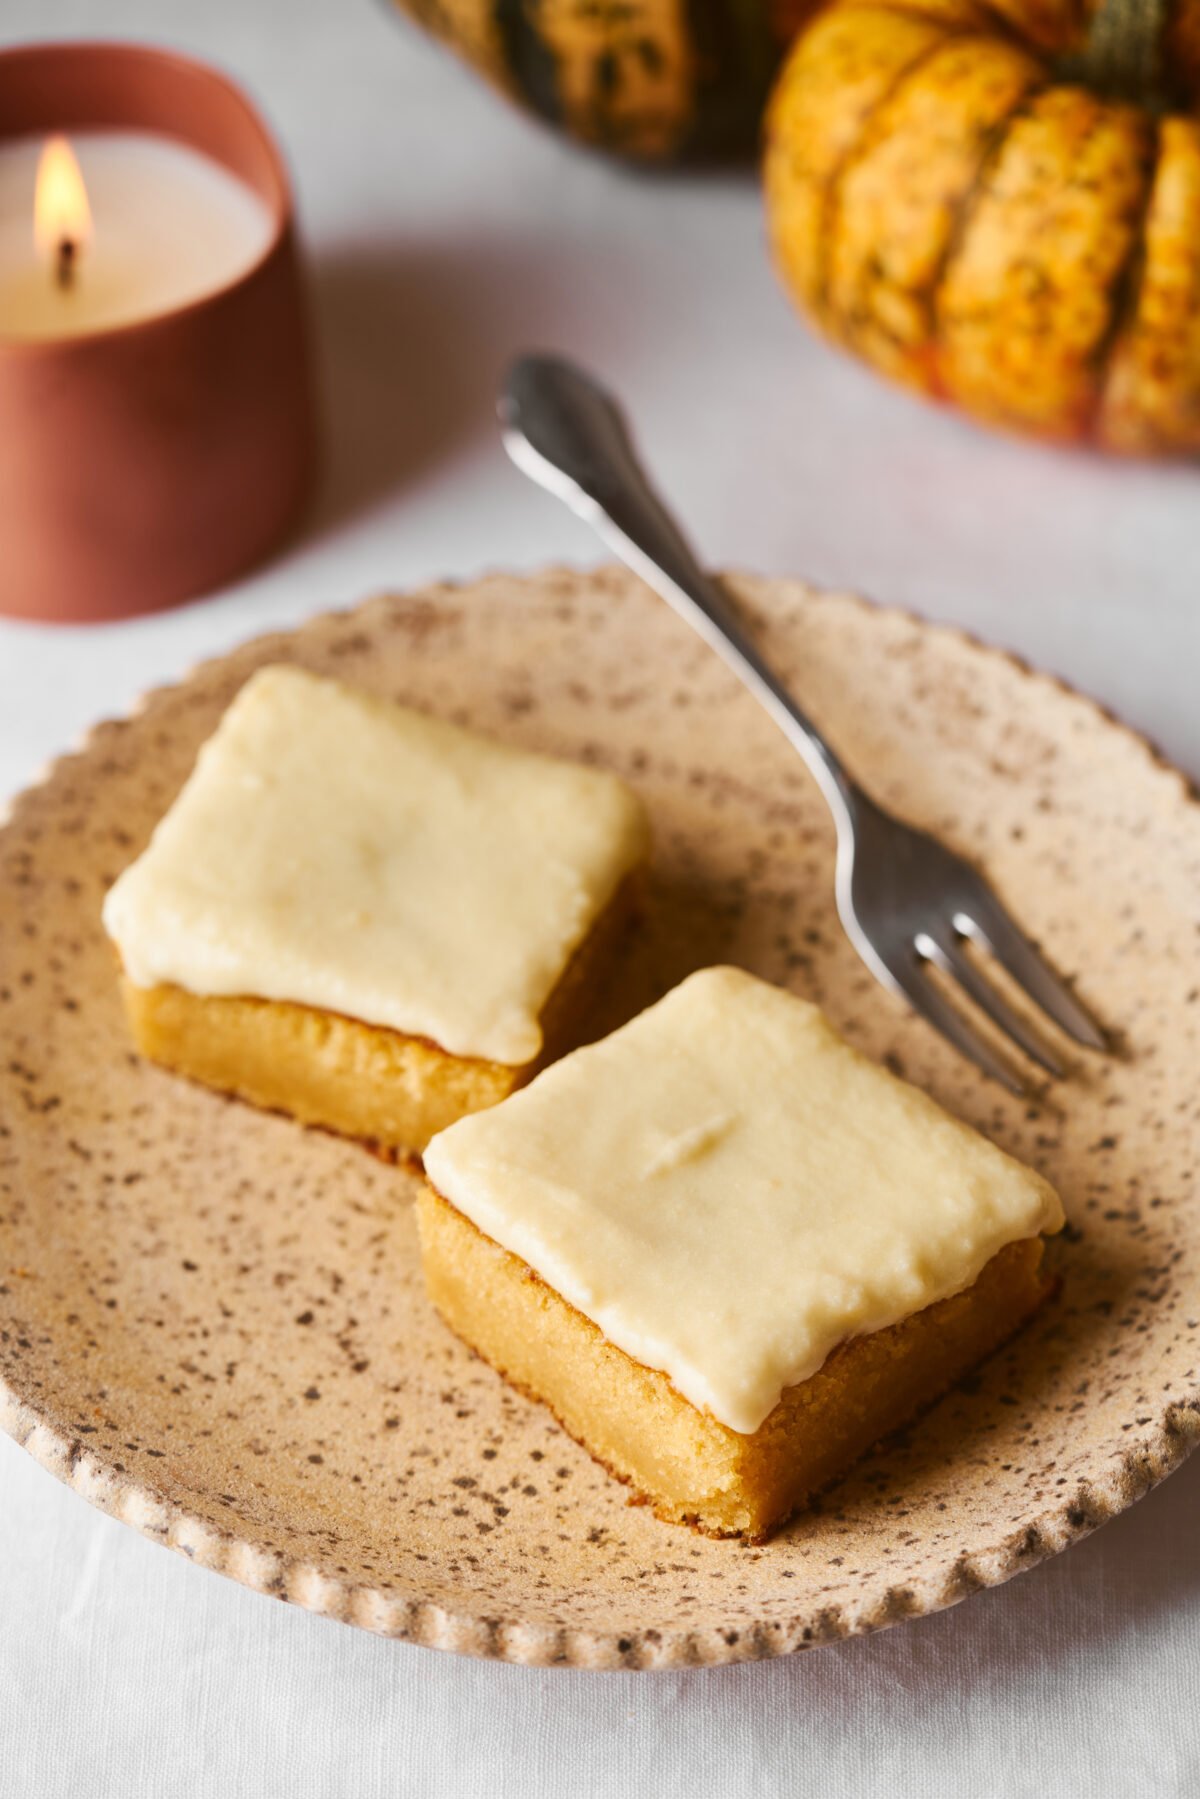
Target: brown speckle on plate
<point>212,1323</point>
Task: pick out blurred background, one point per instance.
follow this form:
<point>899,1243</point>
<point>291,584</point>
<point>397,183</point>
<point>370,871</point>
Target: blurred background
<point>445,230</point>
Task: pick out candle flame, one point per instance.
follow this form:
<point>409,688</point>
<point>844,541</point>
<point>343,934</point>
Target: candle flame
<point>62,218</point>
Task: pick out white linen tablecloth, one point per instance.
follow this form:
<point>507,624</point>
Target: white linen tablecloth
<point>444,233</point>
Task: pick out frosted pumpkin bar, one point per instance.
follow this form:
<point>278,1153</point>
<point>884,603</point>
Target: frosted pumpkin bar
<point>727,1250</point>
<point>367,917</point>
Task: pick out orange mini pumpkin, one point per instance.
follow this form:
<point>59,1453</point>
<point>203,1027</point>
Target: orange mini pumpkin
<point>1000,206</point>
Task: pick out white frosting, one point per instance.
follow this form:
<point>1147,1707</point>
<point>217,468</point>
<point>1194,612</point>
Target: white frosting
<point>729,1191</point>
<point>350,854</point>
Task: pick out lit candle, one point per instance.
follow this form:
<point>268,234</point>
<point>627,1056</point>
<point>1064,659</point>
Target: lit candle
<point>156,419</point>
<point>62,218</point>
<point>111,227</point>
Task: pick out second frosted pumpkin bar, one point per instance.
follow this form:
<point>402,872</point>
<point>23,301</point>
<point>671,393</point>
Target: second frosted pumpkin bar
<point>727,1250</point>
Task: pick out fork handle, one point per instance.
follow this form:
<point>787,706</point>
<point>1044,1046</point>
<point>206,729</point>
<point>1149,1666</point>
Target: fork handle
<point>562,429</point>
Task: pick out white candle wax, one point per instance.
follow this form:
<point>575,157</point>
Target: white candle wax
<point>169,225</point>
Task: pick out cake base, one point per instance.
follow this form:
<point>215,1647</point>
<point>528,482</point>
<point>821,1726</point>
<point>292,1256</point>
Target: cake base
<point>691,1468</point>
<point>365,1081</point>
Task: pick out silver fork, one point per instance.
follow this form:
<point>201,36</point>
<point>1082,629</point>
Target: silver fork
<point>907,903</point>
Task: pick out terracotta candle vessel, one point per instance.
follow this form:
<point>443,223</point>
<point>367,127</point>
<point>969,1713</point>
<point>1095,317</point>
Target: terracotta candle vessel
<point>156,418</point>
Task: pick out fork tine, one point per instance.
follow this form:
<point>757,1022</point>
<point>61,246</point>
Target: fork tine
<point>950,958</point>
<point>988,923</point>
<point>924,998</point>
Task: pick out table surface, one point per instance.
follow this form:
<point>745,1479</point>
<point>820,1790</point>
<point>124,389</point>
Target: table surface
<point>444,233</point>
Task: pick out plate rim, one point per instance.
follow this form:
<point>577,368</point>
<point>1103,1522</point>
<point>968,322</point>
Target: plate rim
<point>1162,1445</point>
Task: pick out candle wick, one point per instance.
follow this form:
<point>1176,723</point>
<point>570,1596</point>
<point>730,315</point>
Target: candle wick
<point>65,262</point>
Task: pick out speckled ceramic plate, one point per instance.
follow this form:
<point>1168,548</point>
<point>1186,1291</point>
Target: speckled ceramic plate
<point>212,1323</point>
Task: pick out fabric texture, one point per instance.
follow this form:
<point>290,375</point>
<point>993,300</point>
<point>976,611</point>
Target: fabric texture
<point>125,1671</point>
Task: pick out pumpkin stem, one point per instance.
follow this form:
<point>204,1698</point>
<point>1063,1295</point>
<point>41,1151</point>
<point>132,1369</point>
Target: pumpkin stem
<point>1123,56</point>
